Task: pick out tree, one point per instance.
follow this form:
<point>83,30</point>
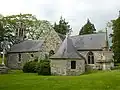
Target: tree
<point>5,37</point>
<point>62,27</point>
<point>19,22</point>
<point>33,28</point>
<point>88,28</point>
<point>116,39</point>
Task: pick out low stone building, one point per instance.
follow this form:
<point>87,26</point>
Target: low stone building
<point>80,53</point>
<point>95,49</point>
<point>23,52</point>
<point>27,50</point>
<point>67,61</point>
<point>72,56</point>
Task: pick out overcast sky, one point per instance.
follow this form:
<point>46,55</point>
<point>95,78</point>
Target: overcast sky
<point>75,12</point>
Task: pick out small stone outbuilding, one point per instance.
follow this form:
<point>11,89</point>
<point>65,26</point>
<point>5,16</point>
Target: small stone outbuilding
<point>67,61</point>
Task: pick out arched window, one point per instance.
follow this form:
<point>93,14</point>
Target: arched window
<point>51,53</point>
<point>19,57</point>
<point>90,58</point>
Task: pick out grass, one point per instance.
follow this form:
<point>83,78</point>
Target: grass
<point>17,80</point>
<point>0,60</point>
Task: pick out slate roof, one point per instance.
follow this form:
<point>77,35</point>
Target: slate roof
<point>66,51</point>
<point>90,41</point>
<point>27,46</point>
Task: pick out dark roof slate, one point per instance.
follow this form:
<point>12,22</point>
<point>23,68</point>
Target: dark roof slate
<point>27,46</point>
<point>66,50</point>
<point>89,41</point>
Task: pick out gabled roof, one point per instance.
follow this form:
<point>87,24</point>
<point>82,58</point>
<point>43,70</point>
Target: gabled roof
<point>27,46</point>
<point>89,41</point>
<point>66,50</point>
<point>62,37</point>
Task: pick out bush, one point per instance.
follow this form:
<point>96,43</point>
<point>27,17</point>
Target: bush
<point>30,67</point>
<point>43,67</point>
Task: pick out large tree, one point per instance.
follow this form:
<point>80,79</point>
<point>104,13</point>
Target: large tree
<point>6,37</point>
<point>116,39</point>
<point>33,28</point>
<point>62,27</point>
<point>88,28</point>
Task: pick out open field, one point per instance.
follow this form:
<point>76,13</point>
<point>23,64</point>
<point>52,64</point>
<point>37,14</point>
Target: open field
<point>16,80</point>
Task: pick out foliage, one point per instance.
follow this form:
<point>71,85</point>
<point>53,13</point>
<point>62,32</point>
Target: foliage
<point>17,80</point>
<point>9,26</point>
<point>27,23</point>
<point>0,60</point>
<point>5,36</point>
<point>88,28</point>
<point>20,22</point>
<point>43,67</point>
<point>5,61</point>
<point>116,39</point>
<point>30,67</point>
<point>62,27</point>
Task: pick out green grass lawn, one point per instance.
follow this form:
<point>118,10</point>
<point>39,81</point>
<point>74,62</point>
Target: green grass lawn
<point>0,60</point>
<point>109,80</point>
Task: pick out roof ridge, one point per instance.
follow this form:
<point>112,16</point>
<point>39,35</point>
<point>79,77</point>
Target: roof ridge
<point>88,34</point>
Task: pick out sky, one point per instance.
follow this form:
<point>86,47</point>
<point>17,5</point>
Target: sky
<point>76,12</point>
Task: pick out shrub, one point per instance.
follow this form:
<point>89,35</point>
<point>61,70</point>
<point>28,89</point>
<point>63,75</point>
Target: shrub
<point>36,59</point>
<point>43,67</point>
<point>30,67</point>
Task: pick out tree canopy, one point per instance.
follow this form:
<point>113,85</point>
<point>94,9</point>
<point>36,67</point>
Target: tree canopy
<point>62,27</point>
<point>32,27</point>
<point>116,39</point>
<point>88,28</point>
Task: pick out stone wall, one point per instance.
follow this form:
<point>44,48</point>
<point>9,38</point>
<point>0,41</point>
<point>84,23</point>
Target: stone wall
<point>98,60</point>
<point>13,59</point>
<point>97,55</point>
<point>63,67</point>
<point>52,42</point>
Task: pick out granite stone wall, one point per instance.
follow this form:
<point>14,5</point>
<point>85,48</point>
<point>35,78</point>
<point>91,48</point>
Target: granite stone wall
<point>13,59</point>
<point>63,67</point>
<point>102,60</point>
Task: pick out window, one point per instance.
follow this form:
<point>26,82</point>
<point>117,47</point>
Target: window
<point>90,58</point>
<point>19,57</point>
<point>16,32</point>
<point>21,32</point>
<point>32,55</point>
<point>51,53</point>
<point>73,64</point>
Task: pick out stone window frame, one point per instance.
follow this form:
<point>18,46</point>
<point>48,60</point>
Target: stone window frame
<point>19,57</point>
<point>32,55</point>
<point>51,52</point>
<point>73,64</point>
<point>90,57</point>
